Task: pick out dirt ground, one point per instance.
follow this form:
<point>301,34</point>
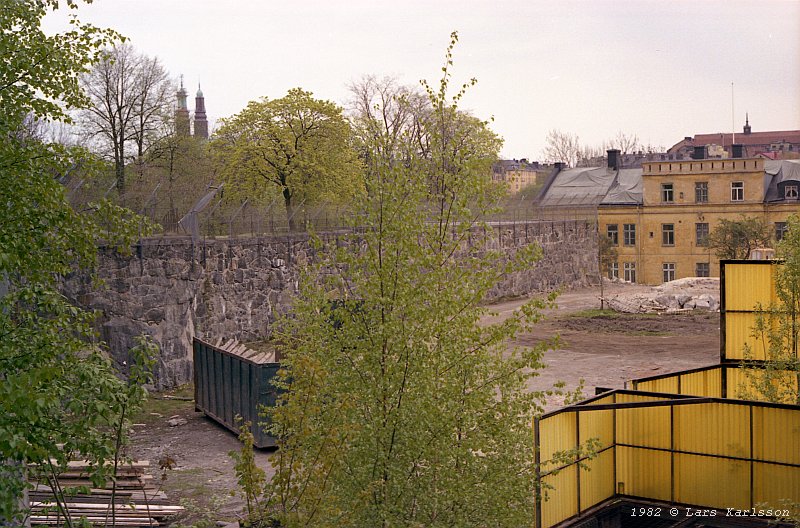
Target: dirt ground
<point>604,350</point>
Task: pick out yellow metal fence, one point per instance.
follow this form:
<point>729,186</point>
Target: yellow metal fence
<point>688,450</point>
<point>717,381</point>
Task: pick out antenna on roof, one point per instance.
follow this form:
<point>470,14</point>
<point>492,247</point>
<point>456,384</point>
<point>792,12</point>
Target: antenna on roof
<point>733,122</point>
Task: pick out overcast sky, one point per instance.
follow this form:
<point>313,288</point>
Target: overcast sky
<point>659,69</point>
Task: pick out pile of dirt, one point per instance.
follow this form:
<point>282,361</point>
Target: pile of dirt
<point>682,295</point>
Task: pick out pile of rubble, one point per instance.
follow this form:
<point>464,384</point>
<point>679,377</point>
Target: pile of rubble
<point>682,295</point>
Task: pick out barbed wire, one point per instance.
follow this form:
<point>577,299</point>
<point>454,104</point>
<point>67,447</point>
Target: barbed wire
<point>206,211</point>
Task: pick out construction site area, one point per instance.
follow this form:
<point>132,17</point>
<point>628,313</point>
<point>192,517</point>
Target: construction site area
<point>603,348</point>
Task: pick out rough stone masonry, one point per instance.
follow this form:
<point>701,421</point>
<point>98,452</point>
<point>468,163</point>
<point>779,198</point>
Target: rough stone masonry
<point>174,288</point>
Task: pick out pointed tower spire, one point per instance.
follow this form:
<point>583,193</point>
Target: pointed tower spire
<point>200,119</point>
<point>182,112</point>
<point>746,123</point>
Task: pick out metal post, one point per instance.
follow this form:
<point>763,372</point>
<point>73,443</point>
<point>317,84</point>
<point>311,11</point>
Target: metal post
<point>537,461</point>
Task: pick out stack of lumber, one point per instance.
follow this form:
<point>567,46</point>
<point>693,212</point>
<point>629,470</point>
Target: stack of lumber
<point>236,348</point>
<point>136,502</point>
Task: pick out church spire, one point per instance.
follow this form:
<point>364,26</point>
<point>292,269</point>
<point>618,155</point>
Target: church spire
<point>182,112</point>
<point>200,119</point>
<point>746,123</point>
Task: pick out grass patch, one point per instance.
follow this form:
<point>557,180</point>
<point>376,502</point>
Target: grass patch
<point>166,404</point>
<point>189,484</point>
<point>595,313</point>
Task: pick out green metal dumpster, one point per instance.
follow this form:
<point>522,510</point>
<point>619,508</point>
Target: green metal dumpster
<point>232,380</point>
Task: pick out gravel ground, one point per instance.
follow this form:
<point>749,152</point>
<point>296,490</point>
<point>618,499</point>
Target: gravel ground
<point>601,349</point>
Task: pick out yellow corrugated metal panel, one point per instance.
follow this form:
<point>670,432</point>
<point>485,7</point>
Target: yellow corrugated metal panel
<point>556,433</point>
<point>561,496</point>
<point>645,426</point>
<point>597,479</point>
<point>776,435</point>
<point>748,284</point>
<point>599,425</point>
<point>706,383</point>
<point>773,483</point>
<point>713,428</point>
<point>668,385</point>
<point>643,473</point>
<point>633,398</point>
<point>605,400</point>
<point>711,481</point>
<point>738,384</point>
<point>738,330</point>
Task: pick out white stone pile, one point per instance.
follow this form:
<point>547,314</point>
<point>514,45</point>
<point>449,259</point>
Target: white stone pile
<point>682,295</point>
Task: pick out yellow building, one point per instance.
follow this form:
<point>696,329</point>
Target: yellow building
<point>661,234</point>
<point>517,174</point>
<point>659,216</point>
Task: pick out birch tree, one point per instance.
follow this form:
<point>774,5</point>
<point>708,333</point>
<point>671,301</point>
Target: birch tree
<point>401,409</point>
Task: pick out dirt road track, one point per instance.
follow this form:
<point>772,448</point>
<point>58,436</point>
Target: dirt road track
<point>603,352</point>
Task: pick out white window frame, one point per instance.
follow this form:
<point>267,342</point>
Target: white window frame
<point>737,191</point>
<point>667,193</point>
<point>668,271</point>
<point>613,270</point>
<point>629,271</point>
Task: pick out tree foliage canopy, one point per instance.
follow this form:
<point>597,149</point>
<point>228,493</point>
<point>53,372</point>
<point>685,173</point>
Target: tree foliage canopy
<point>58,393</point>
<point>401,409</point>
<point>297,145</point>
<point>130,104</point>
<point>735,239</point>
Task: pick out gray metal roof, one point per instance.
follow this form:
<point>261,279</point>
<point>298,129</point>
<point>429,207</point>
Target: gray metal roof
<point>777,172</point>
<point>594,186</point>
<point>626,189</point>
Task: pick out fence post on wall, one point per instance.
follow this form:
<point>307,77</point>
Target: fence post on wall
<point>537,461</point>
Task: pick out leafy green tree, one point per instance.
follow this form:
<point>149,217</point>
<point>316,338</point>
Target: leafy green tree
<point>401,409</point>
<point>735,239</point>
<point>297,145</point>
<point>59,395</point>
<point>777,330</point>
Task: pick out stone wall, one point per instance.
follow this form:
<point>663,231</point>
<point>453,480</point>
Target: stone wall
<point>174,289</point>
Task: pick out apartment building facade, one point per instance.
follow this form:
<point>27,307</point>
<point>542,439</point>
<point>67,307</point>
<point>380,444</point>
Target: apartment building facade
<point>662,234</point>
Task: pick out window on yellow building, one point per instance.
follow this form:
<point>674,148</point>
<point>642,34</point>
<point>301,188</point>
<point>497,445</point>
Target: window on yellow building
<point>780,230</point>
<point>701,192</point>
<point>790,192</point>
<point>702,269</point>
<point>629,235</point>
<point>669,271</point>
<point>612,232</point>
<point>613,270</point>
<point>667,193</point>
<point>701,234</point>
<point>629,271</point>
<point>737,191</point>
<point>667,234</point>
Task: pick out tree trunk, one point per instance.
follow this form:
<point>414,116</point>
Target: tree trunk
<point>287,201</point>
<point>119,168</point>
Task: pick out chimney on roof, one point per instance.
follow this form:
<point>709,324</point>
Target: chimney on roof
<point>613,159</point>
<point>687,138</point>
<point>737,150</point>
<point>700,152</point>
<point>559,165</point>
